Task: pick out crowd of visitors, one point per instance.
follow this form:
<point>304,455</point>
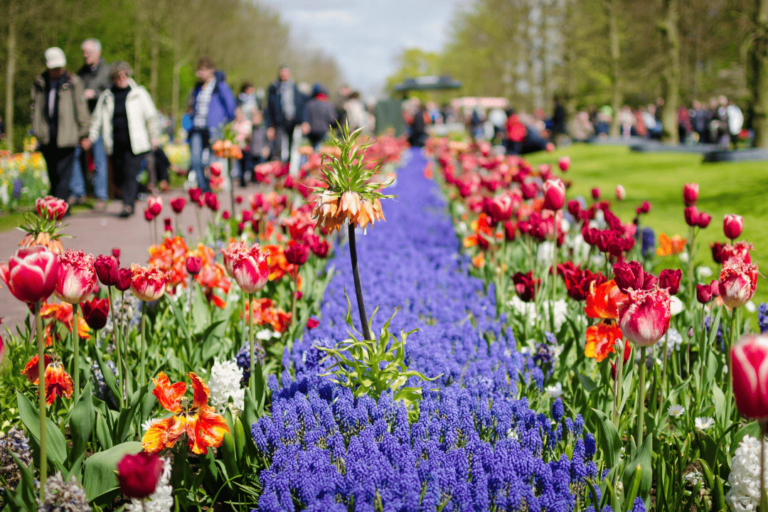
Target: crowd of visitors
<point>99,119</point>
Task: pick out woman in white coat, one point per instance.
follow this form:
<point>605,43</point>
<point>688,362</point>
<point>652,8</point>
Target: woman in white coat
<point>126,118</point>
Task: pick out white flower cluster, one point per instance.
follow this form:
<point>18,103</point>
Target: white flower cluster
<point>744,495</point>
<point>225,383</point>
<point>528,311</point>
<point>159,501</point>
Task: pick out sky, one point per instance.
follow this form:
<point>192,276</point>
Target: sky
<point>365,36</point>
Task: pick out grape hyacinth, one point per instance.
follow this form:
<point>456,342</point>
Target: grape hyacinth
<point>63,495</point>
<point>762,317</point>
<point>14,441</point>
<point>473,443</point>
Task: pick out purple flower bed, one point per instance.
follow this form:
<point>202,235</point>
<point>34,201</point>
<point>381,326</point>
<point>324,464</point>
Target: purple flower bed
<point>476,444</point>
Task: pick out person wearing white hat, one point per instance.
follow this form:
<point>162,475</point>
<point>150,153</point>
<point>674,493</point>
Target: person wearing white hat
<point>60,119</point>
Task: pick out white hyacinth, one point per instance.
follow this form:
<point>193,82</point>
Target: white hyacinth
<point>225,383</point>
<point>703,272</point>
<point>159,501</point>
<point>546,253</point>
<point>526,309</point>
<point>744,495</point>
<point>703,423</point>
<point>676,306</point>
<point>555,391</point>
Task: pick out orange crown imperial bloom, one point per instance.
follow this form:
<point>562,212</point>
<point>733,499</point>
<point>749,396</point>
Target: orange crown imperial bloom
<point>603,301</point>
<point>331,211</point>
<point>203,427</point>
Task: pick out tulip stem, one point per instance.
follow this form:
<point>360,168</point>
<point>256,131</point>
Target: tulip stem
<point>641,397</point>
<point>199,229</point>
<point>124,337</point>
<point>76,351</point>
<point>116,334</point>
<point>143,343</point>
<point>231,186</point>
<point>295,293</point>
<point>358,287</point>
<point>251,352</point>
<point>664,373</point>
<point>41,393</point>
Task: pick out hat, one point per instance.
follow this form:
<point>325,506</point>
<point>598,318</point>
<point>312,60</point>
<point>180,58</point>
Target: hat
<point>55,58</point>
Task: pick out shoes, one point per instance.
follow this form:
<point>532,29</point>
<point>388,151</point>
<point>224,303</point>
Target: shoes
<point>73,200</point>
<point>127,212</point>
<point>100,205</point>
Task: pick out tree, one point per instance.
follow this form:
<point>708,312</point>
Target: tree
<point>759,68</point>
<point>668,26</point>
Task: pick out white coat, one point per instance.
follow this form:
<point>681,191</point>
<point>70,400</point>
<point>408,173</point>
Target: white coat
<point>143,125</point>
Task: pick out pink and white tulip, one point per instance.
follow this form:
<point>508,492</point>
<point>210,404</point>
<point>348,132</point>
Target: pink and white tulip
<point>749,370</point>
<point>644,316</point>
<point>31,274</point>
<point>250,269</point>
<point>738,282</point>
<point>77,276</point>
<point>554,194</point>
<point>733,226</point>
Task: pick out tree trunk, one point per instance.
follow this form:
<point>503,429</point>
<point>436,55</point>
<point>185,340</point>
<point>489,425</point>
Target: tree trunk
<point>10,73</point>
<point>617,94</point>
<point>668,27</point>
<point>569,60</point>
<point>155,62</point>
<point>759,61</point>
<point>137,44</point>
<point>545,86</point>
<point>175,93</point>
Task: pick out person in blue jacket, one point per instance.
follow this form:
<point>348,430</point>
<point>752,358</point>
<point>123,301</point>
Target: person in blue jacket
<point>211,105</point>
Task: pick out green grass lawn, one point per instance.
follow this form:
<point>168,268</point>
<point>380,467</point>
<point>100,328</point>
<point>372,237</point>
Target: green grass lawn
<point>740,188</point>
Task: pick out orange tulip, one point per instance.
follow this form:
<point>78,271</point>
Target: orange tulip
<point>601,339</point>
<point>203,427</point>
<point>603,301</point>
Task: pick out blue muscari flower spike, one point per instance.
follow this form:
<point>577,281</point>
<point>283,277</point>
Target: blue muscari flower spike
<point>648,246</point>
<point>473,445</point>
<point>638,505</point>
<point>762,317</point>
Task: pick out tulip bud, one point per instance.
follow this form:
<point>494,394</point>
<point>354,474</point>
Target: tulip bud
<point>691,215</point>
<point>690,332</point>
<point>297,254</point>
<point>703,293</point>
<point>703,220</point>
<point>250,268</point>
<point>239,199</point>
<point>621,194</point>
<point>690,193</point>
<point>529,190</point>
<point>749,358</point>
<point>194,265</point>
<point>595,193</point>
<point>733,225</point>
<point>554,194</point>
<point>167,226</point>
<point>195,194</point>
<point>138,474</point>
<point>564,163</point>
<point>106,269</point>
<point>148,215</point>
<point>225,215</point>
<point>321,248</point>
<point>645,207</point>
<point>155,205</point>
<point>177,204</point>
<point>95,313</point>
<point>31,274</point>
<point>670,280</point>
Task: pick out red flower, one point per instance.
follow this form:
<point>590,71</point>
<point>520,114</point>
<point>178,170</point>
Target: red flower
<point>57,382</point>
<point>155,205</point>
<point>296,254</point>
<point>31,274</point>
<point>529,190</point>
<point>500,208</point>
<point>554,194</point>
<point>706,292</point>
<point>211,201</point>
<point>579,283</point>
<point>595,193</point>
<point>312,323</point>
<point>138,474</point>
<point>321,248</point>
<point>717,252</point>
<point>31,371</point>
<point>695,218</point>
<point>51,208</point>
<point>564,163</point>
<point>148,284</point>
<point>739,250</point>
<point>95,313</point>
<point>601,339</point>
<point>690,193</point>
<point>526,285</point>
<point>76,277</point>
<point>194,265</point>
<point>603,300</point>
<point>738,282</point>
<point>644,316</point>
<point>732,226</point>
<point>229,252</point>
<point>630,275</point>
<point>106,269</point>
<point>749,370</point>
<point>123,279</point>
<point>148,215</point>
<point>250,269</point>
<point>195,194</point>
<point>178,204</point>
<point>670,280</point>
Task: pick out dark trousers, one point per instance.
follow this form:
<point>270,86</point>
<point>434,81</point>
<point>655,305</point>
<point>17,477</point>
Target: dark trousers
<point>315,138</point>
<point>59,162</point>
<point>125,169</point>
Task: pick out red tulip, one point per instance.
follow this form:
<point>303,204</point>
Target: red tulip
<point>155,205</point>
<point>106,269</point>
<point>195,194</point>
<point>717,252</point>
<point>321,248</point>
<point>704,293</point>
<point>738,250</point>
<point>76,277</point>
<point>621,194</point>
<point>529,190</point>
<point>644,316</point>
<point>167,226</point>
<point>225,215</point>
<point>229,253</point>
<point>644,208</point>
<point>2,350</point>
<point>139,474</point>
<point>631,276</point>
<point>691,215</point>
<point>239,199</point>
<point>526,286</point>
<point>31,274</point>
<point>690,193</point>
<point>510,228</point>
<point>500,208</point>
<point>178,204</point>
<point>148,215</point>
<point>194,265</point>
<point>51,208</point>
<point>211,201</point>
<point>738,282</point>
<point>250,269</point>
<point>595,193</point>
<point>733,225</point>
<point>554,194</point>
<point>703,220</point>
<point>123,279</point>
<point>311,324</point>
<point>95,313</point>
<point>116,253</point>
<point>749,370</point>
<point>216,169</point>
<point>147,284</point>
<point>564,163</point>
<point>296,254</point>
<point>670,280</point>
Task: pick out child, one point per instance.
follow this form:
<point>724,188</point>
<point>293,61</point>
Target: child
<point>258,147</point>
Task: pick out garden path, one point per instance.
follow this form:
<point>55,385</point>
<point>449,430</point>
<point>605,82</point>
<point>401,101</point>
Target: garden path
<point>98,232</point>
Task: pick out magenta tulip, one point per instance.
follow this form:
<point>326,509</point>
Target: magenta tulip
<point>31,274</point>
<point>738,282</point>
<point>554,194</point>
<point>690,193</point>
<point>733,225</point>
<point>749,370</point>
<point>139,474</point>
<point>644,316</point>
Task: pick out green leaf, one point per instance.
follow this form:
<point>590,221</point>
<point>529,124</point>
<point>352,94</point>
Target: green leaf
<point>718,397</point>
<point>56,444</point>
<point>106,371</point>
<point>99,477</point>
<point>587,383</point>
<point>641,465</point>
<point>180,320</point>
<point>81,424</point>
<point>609,439</point>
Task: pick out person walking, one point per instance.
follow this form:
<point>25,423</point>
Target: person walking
<point>60,118</point>
<point>319,116</point>
<point>95,77</point>
<point>211,105</point>
<point>125,118</point>
<point>285,106</point>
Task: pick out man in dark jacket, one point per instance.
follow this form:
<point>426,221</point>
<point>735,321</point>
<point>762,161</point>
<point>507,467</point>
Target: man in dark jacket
<point>211,105</point>
<point>60,119</point>
<point>319,116</point>
<point>285,108</point>
<point>95,77</point>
